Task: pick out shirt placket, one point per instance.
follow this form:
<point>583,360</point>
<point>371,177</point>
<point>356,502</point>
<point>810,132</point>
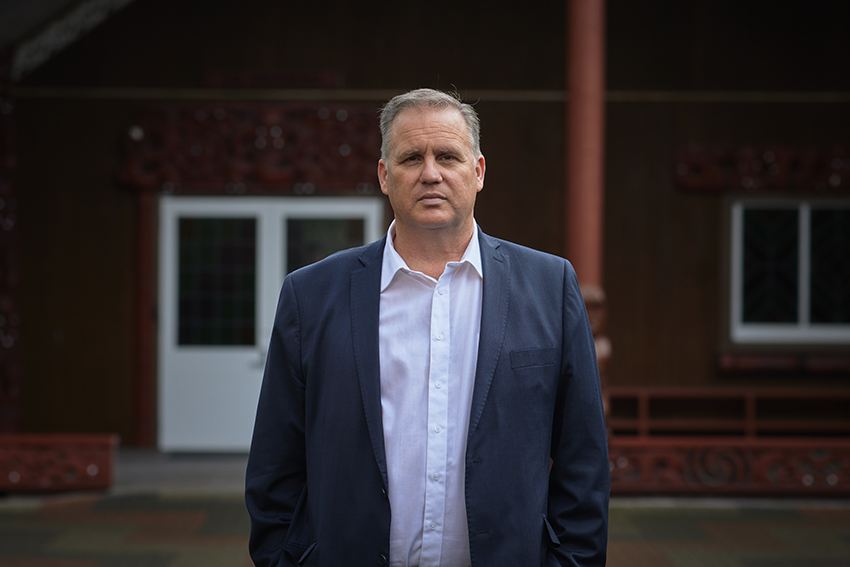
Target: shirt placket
<point>438,398</point>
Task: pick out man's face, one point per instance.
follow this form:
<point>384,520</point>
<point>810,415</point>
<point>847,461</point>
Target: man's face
<point>431,175</point>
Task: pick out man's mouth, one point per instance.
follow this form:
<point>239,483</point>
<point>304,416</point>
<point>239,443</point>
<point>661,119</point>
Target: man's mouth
<point>431,198</point>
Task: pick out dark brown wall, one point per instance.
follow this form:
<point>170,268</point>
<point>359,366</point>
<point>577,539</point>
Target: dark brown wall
<point>662,256</point>
<point>782,45</point>
<point>375,44</point>
<point>77,271</point>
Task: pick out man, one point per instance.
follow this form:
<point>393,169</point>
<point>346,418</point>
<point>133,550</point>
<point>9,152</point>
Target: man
<point>416,388</point>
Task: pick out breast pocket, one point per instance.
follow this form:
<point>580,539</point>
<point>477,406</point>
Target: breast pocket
<point>527,357</point>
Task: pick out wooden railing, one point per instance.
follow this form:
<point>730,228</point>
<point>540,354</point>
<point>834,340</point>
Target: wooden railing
<point>748,412</point>
<point>730,441</point>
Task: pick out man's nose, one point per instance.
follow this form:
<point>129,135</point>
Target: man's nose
<point>430,171</point>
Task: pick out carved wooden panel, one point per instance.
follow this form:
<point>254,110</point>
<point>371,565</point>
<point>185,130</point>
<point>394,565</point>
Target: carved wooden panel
<point>730,466</point>
<point>763,170</point>
<point>301,148</point>
<point>49,463</point>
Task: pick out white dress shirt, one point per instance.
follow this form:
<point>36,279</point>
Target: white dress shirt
<point>428,333</point>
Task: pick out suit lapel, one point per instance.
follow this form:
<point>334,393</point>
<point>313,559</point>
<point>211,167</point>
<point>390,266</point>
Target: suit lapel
<point>494,316</point>
<point>365,315</point>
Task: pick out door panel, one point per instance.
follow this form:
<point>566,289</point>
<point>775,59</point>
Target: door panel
<point>222,262</point>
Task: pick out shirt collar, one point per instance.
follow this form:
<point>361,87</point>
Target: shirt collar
<point>393,262</point>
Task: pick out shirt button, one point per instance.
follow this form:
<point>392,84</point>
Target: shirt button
<point>440,291</point>
<point>439,385</point>
<point>433,527</point>
<point>436,429</point>
<point>439,336</point>
<point>436,477</point>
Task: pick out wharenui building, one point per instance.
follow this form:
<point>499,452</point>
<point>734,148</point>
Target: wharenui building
<point>164,165</point>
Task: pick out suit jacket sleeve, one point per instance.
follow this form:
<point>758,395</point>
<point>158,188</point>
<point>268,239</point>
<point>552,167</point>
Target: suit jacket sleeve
<point>579,482</point>
<point>276,473</point>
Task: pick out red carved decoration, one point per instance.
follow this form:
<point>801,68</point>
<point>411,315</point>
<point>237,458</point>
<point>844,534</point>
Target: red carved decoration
<point>763,170</point>
<point>301,148</point>
<point>49,463</point>
<point>730,466</point>
<point>10,319</point>
<point>730,440</point>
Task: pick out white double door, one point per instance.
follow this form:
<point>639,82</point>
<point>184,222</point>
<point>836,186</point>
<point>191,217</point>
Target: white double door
<point>222,261</point>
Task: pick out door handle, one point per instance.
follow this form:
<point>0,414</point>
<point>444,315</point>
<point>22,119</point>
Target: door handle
<point>260,361</point>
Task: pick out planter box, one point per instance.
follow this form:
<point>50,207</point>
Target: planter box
<point>55,463</point>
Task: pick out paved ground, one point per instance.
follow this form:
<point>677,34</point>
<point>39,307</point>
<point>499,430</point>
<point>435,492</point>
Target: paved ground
<point>187,511</point>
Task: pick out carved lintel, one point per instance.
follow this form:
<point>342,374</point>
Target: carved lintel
<point>763,170</point>
<point>294,148</point>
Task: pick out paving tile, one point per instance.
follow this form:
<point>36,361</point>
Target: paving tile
<point>22,540</point>
<point>211,530</point>
<point>635,554</point>
<point>841,561</point>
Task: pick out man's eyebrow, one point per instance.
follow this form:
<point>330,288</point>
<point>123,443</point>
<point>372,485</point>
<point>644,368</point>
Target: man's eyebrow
<point>444,150</point>
<point>409,152</point>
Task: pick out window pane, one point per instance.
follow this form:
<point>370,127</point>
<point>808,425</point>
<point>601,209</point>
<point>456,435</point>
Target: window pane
<point>770,265</point>
<point>830,264</point>
<point>217,281</point>
<point>310,240</point>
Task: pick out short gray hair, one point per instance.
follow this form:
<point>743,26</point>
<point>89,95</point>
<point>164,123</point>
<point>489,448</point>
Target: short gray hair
<point>433,99</point>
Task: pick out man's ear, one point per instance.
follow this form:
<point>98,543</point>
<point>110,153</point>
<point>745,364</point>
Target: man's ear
<point>480,167</point>
<point>382,176</point>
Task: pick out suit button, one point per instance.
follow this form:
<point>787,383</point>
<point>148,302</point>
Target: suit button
<point>384,492</point>
<point>382,559</point>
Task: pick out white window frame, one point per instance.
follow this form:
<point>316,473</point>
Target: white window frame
<point>803,331</point>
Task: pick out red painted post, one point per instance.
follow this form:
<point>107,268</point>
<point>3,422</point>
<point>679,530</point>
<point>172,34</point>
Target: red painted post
<point>585,138</point>
<point>585,159</point>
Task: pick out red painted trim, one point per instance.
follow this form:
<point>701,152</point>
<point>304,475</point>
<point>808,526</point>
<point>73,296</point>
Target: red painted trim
<point>145,380</point>
<point>732,363</point>
<point>11,360</point>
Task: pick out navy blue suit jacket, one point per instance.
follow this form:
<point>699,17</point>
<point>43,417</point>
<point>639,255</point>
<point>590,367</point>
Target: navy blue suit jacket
<point>316,484</point>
